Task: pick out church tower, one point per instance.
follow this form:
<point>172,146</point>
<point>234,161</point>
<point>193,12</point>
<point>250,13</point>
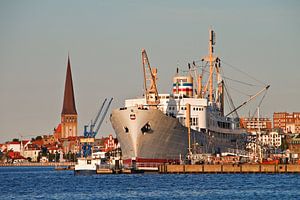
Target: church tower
<point>68,113</point>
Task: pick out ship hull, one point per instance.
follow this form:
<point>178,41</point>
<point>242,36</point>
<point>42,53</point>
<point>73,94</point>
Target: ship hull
<point>150,136</point>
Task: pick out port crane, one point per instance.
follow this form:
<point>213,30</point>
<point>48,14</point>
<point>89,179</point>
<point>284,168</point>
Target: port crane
<point>89,130</point>
<point>151,93</point>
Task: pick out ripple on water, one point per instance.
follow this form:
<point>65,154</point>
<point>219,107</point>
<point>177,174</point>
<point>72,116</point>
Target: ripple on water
<point>46,183</point>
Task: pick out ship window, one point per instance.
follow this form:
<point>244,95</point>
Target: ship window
<point>194,121</point>
<point>89,162</point>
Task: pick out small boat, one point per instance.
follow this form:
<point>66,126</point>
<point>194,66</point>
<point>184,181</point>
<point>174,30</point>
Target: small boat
<point>89,165</point>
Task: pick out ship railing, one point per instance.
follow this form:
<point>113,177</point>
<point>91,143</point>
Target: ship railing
<point>237,152</point>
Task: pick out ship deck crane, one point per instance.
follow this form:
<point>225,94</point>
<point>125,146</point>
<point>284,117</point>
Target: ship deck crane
<point>151,93</point>
<point>89,135</point>
<point>251,98</point>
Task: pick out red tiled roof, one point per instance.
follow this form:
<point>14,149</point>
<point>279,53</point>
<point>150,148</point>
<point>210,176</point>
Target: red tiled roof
<point>24,142</point>
<point>38,142</point>
<point>53,148</point>
<point>72,138</point>
<point>13,142</point>
<point>58,128</point>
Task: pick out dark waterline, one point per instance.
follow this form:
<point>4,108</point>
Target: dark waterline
<point>46,183</point>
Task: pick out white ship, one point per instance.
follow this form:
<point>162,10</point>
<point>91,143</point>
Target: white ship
<point>155,128</point>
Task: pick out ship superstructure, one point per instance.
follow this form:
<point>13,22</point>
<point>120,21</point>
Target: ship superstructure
<point>155,127</point>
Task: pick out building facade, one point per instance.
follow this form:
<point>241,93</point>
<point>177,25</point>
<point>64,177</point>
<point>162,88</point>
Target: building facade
<point>254,124</point>
<point>110,143</point>
<point>288,122</point>
<point>294,143</point>
<point>263,139</point>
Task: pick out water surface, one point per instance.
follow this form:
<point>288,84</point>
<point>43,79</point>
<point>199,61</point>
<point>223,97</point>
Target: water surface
<point>46,183</point>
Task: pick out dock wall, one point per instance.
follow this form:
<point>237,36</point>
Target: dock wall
<point>244,168</point>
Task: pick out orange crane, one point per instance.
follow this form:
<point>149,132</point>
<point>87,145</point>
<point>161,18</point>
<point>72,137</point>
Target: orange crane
<point>150,87</point>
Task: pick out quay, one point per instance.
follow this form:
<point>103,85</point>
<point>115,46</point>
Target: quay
<point>47,164</point>
<point>229,168</point>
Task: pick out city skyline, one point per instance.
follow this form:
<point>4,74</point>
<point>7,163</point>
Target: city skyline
<point>105,38</point>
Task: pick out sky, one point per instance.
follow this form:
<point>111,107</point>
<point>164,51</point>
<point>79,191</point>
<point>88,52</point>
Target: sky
<point>104,40</point>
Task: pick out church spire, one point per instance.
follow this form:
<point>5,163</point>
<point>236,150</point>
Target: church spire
<point>69,100</point>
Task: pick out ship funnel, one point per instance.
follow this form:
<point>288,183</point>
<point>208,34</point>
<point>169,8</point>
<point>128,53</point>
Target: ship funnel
<point>183,85</point>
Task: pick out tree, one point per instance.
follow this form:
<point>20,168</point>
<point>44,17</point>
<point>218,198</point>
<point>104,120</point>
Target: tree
<point>1,156</point>
<point>38,137</point>
<point>56,156</point>
<point>15,140</point>
<point>44,151</point>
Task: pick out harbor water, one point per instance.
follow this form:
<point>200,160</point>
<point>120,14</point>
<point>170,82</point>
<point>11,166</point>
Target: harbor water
<point>46,183</point>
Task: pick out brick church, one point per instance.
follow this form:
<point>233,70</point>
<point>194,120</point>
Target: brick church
<point>68,125</point>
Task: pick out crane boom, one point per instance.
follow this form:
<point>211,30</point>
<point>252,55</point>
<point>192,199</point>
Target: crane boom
<point>103,116</point>
<point>151,92</point>
<point>252,97</point>
<point>97,116</point>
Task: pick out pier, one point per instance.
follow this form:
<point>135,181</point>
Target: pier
<point>229,168</point>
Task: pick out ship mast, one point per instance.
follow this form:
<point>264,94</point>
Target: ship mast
<point>210,59</point>
<point>211,67</point>
<point>150,89</point>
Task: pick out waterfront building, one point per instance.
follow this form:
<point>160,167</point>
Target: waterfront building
<point>271,139</point>
<point>69,113</point>
<point>31,151</point>
<point>254,124</point>
<point>259,140</point>
<point>70,144</point>
<point>294,143</point>
<point>17,146</point>
<point>49,140</point>
<point>288,122</point>
<point>2,147</point>
<point>110,143</point>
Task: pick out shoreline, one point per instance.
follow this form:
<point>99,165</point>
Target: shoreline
<point>50,164</point>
